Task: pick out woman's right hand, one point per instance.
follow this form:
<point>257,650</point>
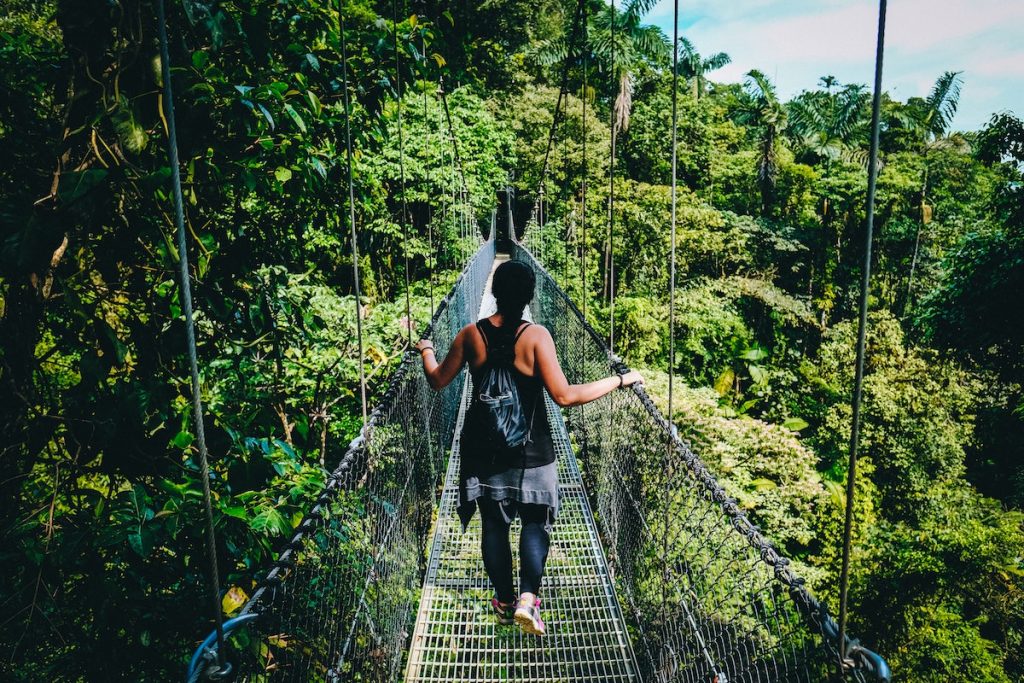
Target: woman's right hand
<point>632,377</point>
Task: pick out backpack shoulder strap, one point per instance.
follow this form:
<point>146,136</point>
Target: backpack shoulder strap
<point>521,330</point>
<point>480,329</point>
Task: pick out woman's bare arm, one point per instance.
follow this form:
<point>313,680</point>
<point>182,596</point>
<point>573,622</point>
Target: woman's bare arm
<point>440,375</point>
<point>563,393</point>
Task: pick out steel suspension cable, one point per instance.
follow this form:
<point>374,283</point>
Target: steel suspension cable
<point>671,432</point>
<point>441,164</point>
<point>609,262</point>
<point>451,131</point>
<point>669,444</point>
<point>401,169</point>
<point>352,210</point>
<point>563,91</point>
<point>583,190</point>
<point>565,173</point>
<point>862,324</point>
<point>430,210</point>
<point>672,256</point>
<point>190,332</point>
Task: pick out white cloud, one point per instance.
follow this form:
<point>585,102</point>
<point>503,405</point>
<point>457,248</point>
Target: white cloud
<point>798,41</point>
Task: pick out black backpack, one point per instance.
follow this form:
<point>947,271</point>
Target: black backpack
<point>497,418</point>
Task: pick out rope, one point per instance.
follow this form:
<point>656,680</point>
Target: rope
<point>352,209</point>
<point>401,169</point>
<point>190,334</point>
<point>862,325</point>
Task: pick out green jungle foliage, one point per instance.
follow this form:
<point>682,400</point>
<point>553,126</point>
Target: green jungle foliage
<point>100,503</point>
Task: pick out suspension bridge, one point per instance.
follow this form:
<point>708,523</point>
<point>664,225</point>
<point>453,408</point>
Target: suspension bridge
<point>655,573</point>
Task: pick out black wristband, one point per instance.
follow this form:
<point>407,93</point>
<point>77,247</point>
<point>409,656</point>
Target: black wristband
<point>622,381</point>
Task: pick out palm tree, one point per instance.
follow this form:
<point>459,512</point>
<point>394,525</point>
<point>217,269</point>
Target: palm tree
<point>764,111</point>
<point>635,44</point>
<point>827,125</point>
<point>830,124</point>
<point>931,120</point>
<point>695,68</point>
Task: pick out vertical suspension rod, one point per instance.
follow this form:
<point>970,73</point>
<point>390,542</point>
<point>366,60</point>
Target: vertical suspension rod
<point>430,210</point>
<point>610,253</point>
<point>401,167</point>
<point>858,383</point>
<point>352,210</point>
<point>190,330</point>
<point>583,189</point>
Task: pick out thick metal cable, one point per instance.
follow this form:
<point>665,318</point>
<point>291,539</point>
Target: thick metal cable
<point>563,91</point>
<point>352,209</point>
<point>666,467</point>
<point>609,264</point>
<point>190,329</point>
<point>430,210</point>
<point>862,326</point>
<point>583,203</point>
<point>451,130</point>
<point>567,221</point>
<point>672,258</point>
<point>401,169</point>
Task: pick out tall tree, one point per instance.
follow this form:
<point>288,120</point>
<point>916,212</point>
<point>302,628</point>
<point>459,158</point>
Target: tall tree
<point>931,120</point>
<point>695,67</point>
<point>764,111</point>
<point>831,123</point>
<point>826,125</point>
<point>620,34</point>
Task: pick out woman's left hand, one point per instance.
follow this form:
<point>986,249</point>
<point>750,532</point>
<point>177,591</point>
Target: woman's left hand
<point>423,344</point>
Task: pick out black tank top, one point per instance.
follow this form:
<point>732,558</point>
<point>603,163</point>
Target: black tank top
<point>539,449</point>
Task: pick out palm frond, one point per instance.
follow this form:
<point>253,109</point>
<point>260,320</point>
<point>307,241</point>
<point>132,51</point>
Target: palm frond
<point>552,51</point>
<point>689,59</point>
<point>639,8</point>
<point>759,87</point>
<point>855,155</point>
<point>943,101</point>
<point>651,44</point>
<point>686,49</point>
<point>716,61</point>
<point>955,142</point>
<point>807,115</point>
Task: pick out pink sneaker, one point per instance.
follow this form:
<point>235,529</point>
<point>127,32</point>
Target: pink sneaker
<point>528,617</point>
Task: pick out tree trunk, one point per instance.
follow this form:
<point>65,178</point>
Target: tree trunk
<point>917,242</point>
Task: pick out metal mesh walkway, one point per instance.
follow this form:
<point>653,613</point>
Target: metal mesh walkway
<point>456,636</point>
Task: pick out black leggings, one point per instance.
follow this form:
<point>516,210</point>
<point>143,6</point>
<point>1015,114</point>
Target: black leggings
<point>533,546</point>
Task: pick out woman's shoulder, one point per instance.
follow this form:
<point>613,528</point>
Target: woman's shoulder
<point>535,332</point>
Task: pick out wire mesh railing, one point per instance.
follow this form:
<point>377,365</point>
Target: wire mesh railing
<point>709,598</point>
<point>338,602</point>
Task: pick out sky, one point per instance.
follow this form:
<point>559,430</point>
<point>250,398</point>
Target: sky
<point>796,42</point>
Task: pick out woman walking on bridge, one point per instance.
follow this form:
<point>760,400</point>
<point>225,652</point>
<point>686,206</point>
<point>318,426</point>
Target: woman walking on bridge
<point>508,462</point>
